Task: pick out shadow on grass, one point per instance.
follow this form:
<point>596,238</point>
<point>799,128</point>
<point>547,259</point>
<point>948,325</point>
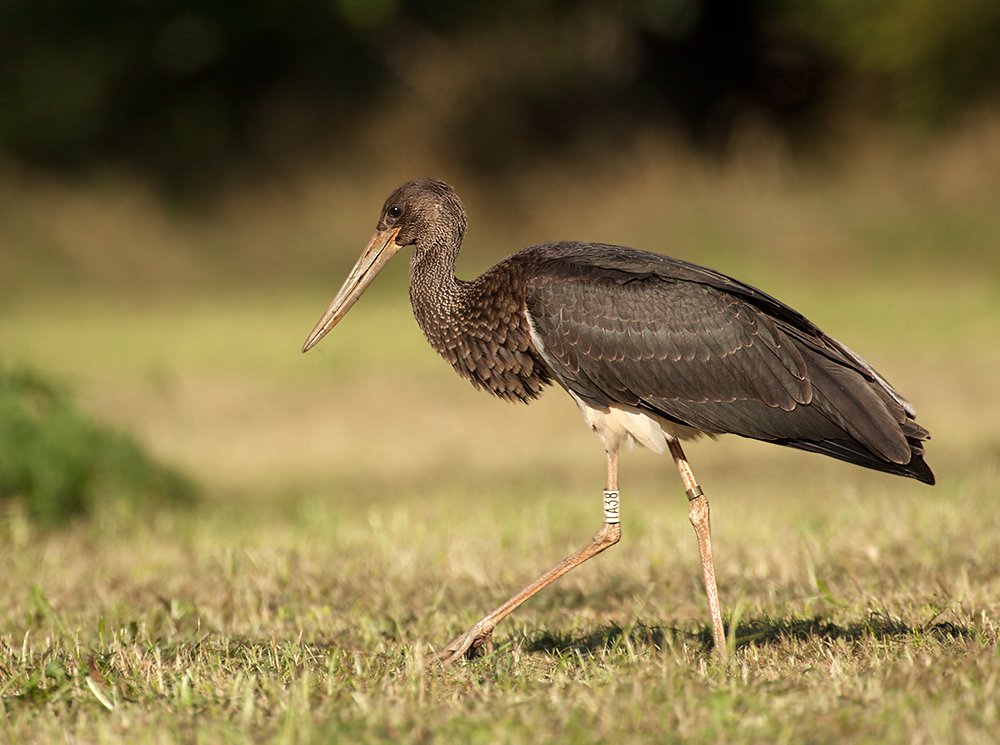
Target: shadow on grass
<point>758,632</point>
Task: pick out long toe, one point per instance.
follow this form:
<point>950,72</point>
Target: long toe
<point>473,643</point>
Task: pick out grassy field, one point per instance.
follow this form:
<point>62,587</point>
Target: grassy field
<point>362,505</point>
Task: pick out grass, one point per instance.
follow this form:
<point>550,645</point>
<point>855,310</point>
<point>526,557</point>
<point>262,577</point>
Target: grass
<point>363,505</point>
<point>866,617</point>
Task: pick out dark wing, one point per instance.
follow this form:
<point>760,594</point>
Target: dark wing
<point>700,348</point>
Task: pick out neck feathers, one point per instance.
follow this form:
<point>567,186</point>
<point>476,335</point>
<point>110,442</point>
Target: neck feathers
<point>479,327</point>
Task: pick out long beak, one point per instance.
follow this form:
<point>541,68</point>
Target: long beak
<point>380,249</point>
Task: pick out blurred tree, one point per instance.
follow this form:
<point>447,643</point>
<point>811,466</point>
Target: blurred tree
<point>928,58</point>
<point>177,87</point>
<point>183,90</point>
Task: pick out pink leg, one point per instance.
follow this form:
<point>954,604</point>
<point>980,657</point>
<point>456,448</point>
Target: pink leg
<point>698,513</point>
<point>468,644</point>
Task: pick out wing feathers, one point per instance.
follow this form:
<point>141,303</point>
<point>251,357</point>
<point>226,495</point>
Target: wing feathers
<point>704,350</point>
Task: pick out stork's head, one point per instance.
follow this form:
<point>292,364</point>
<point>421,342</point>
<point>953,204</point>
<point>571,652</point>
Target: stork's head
<point>420,213</point>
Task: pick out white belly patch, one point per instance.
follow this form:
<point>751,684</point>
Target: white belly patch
<point>617,424</point>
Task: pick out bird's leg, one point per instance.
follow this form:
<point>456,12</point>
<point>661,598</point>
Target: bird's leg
<point>469,643</point>
<point>698,513</point>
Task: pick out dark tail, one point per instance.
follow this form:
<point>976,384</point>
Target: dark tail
<point>878,427</point>
<point>854,452</point>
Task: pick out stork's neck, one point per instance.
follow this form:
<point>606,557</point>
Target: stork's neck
<point>435,293</point>
<point>478,326</point>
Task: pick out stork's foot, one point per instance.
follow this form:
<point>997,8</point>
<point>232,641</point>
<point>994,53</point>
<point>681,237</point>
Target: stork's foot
<point>474,643</point>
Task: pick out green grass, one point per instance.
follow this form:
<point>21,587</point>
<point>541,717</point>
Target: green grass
<point>870,617</point>
<point>363,506</point>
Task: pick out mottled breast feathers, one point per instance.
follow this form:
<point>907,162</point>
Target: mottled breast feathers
<point>482,331</point>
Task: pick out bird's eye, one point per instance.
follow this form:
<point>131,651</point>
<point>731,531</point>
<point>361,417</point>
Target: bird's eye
<point>395,211</point>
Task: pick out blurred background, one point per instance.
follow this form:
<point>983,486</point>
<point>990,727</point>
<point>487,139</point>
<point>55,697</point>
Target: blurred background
<point>192,121</point>
<point>191,96</point>
<point>183,186</point>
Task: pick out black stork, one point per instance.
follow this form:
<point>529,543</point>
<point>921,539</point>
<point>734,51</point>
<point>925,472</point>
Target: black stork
<point>652,349</point>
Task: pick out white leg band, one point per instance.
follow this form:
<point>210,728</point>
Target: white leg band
<point>611,506</point>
